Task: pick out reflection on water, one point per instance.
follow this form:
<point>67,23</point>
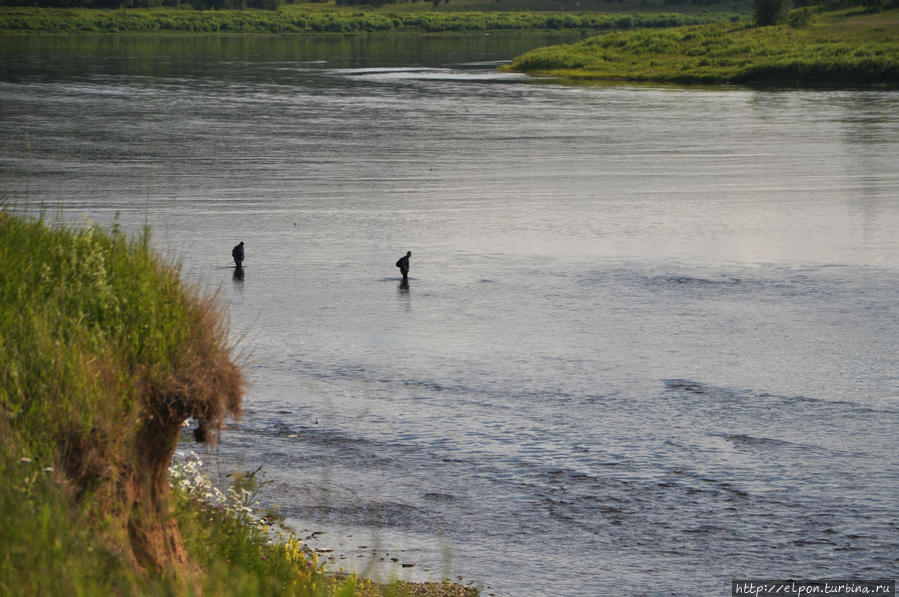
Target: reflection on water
<point>238,57</point>
<point>654,332</point>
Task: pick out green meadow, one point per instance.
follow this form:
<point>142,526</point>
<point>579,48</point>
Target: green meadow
<point>815,47</point>
<point>410,18</point>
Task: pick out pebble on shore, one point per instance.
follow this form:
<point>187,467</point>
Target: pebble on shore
<point>436,589</point>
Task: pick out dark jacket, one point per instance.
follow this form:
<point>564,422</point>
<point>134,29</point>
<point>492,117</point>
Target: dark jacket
<point>237,253</point>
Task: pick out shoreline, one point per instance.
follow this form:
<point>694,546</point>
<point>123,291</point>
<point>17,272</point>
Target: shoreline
<point>379,574</point>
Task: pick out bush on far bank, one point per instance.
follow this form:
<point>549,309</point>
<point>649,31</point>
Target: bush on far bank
<point>770,12</point>
<point>617,6</point>
<point>116,4</point>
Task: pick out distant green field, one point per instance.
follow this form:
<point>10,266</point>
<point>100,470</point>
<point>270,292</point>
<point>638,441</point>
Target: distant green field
<point>443,6</point>
<point>837,48</point>
<point>604,6</point>
<point>461,15</point>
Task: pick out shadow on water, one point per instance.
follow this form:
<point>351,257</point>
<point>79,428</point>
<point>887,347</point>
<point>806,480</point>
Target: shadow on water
<point>238,273</point>
<point>402,291</point>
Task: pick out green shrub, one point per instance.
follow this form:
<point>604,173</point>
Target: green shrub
<point>801,18</point>
<point>770,12</point>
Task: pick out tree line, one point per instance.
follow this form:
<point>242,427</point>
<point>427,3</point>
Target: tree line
<point>766,12</point>
<point>776,12</point>
<point>196,4</point>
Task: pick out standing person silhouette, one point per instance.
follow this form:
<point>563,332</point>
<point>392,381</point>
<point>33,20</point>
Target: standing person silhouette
<point>403,264</point>
<point>237,254</point>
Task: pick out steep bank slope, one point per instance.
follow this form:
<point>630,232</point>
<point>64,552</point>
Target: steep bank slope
<point>104,354</point>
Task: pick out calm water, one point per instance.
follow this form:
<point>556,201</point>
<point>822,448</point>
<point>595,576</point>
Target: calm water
<point>650,339</point>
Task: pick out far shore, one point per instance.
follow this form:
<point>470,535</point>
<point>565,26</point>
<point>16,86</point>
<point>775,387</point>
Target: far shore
<point>327,18</point>
<point>817,47</point>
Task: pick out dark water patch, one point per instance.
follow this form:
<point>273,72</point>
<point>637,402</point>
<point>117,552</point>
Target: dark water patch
<point>771,406</point>
<point>281,428</point>
<point>685,385</point>
<point>363,512</point>
<point>675,280</point>
<point>591,502</point>
<point>315,439</point>
<point>733,492</point>
<point>743,440</point>
<point>488,395</point>
<point>837,407</point>
<point>637,279</point>
<point>706,529</point>
<point>769,284</point>
<point>434,496</point>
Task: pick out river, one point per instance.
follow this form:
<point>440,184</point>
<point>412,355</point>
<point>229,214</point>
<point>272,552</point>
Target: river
<point>649,341</point>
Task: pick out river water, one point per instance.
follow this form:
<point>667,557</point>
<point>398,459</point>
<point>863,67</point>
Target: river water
<point>650,339</point>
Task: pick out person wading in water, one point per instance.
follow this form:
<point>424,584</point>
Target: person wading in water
<point>237,253</point>
<point>403,264</point>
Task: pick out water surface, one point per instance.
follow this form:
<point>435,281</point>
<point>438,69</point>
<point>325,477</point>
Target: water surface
<point>649,341</point>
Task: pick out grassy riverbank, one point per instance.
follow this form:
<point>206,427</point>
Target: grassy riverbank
<point>105,354</point>
<point>328,18</point>
<point>829,48</point>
